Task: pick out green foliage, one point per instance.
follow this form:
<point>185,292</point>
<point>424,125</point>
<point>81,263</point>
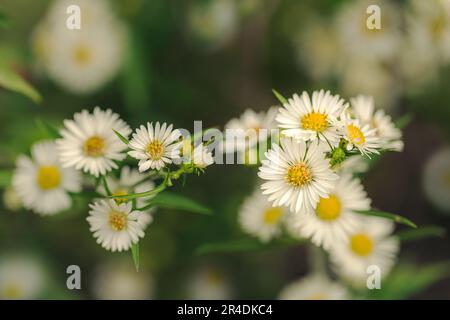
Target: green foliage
<point>421,233</point>
<point>121,137</point>
<point>280,98</point>
<point>135,255</point>
<point>172,200</point>
<point>10,80</point>
<point>387,215</point>
<point>5,178</point>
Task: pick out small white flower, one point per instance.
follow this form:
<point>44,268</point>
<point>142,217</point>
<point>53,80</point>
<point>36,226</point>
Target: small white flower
<point>117,280</point>
<point>314,287</point>
<point>297,175</point>
<point>89,143</point>
<point>436,179</point>
<point>208,283</point>
<point>258,218</point>
<point>369,244</point>
<point>115,226</point>
<point>364,110</point>
<point>308,119</point>
<point>335,216</point>
<point>359,136</point>
<point>130,181</point>
<point>201,157</point>
<point>42,183</point>
<point>155,147</point>
<point>21,277</point>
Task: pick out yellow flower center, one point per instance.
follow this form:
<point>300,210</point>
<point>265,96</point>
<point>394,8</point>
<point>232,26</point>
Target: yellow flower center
<point>314,121</point>
<point>155,150</point>
<point>298,175</point>
<point>120,192</point>
<point>355,135</point>
<point>273,215</point>
<point>329,208</point>
<point>13,292</point>
<point>82,55</point>
<point>437,27</point>
<point>48,177</point>
<point>94,146</point>
<point>361,244</point>
<point>118,220</point>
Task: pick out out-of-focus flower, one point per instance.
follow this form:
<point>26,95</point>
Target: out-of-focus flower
<point>129,182</point>
<point>116,226</point>
<point>436,179</point>
<point>11,199</point>
<point>155,147</point>
<point>209,283</point>
<point>335,216</point>
<point>258,218</point>
<point>370,244</point>
<point>308,119</point>
<point>42,183</point>
<point>352,165</point>
<point>120,281</point>
<point>201,157</point>
<point>80,60</point>
<point>389,136</point>
<point>296,176</point>
<point>21,277</point>
<point>314,287</point>
<point>213,23</point>
<point>89,143</point>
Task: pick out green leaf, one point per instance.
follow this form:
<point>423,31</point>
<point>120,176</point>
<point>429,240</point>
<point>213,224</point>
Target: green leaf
<point>171,200</point>
<point>144,194</point>
<point>50,130</point>
<point>407,280</point>
<point>13,82</point>
<point>280,98</point>
<point>121,137</point>
<point>403,121</point>
<point>245,245</point>
<point>382,214</point>
<point>4,21</point>
<point>421,233</point>
<point>5,178</point>
<point>135,255</point>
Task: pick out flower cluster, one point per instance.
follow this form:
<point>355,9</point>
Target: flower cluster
<point>96,144</point>
<point>310,186</point>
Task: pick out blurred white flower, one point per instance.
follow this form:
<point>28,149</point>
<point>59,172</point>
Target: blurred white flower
<point>314,287</point>
<point>155,147</point>
<point>352,164</point>
<point>81,60</point>
<point>89,143</point>
<point>436,179</point>
<point>389,136</point>
<point>42,183</point>
<point>11,199</point>
<point>335,216</point>
<point>297,175</point>
<point>309,119</point>
<point>201,157</point>
<point>116,226</point>
<point>208,283</point>
<point>258,218</point>
<point>370,244</point>
<point>22,277</point>
<point>129,182</point>
<point>117,280</point>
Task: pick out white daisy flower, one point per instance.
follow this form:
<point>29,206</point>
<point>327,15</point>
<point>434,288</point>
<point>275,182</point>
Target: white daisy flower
<point>436,179</point>
<point>364,110</point>
<point>116,226</point>
<point>258,218</point>
<point>357,39</point>
<point>130,181</point>
<point>359,136</point>
<point>117,280</point>
<point>42,184</point>
<point>208,283</point>
<point>314,287</point>
<point>11,199</point>
<point>201,157</point>
<point>335,216</point>
<point>81,60</point>
<point>297,175</point>
<point>22,277</point>
<point>155,147</point>
<point>89,143</point>
<point>370,244</point>
<point>248,129</point>
<point>308,119</point>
